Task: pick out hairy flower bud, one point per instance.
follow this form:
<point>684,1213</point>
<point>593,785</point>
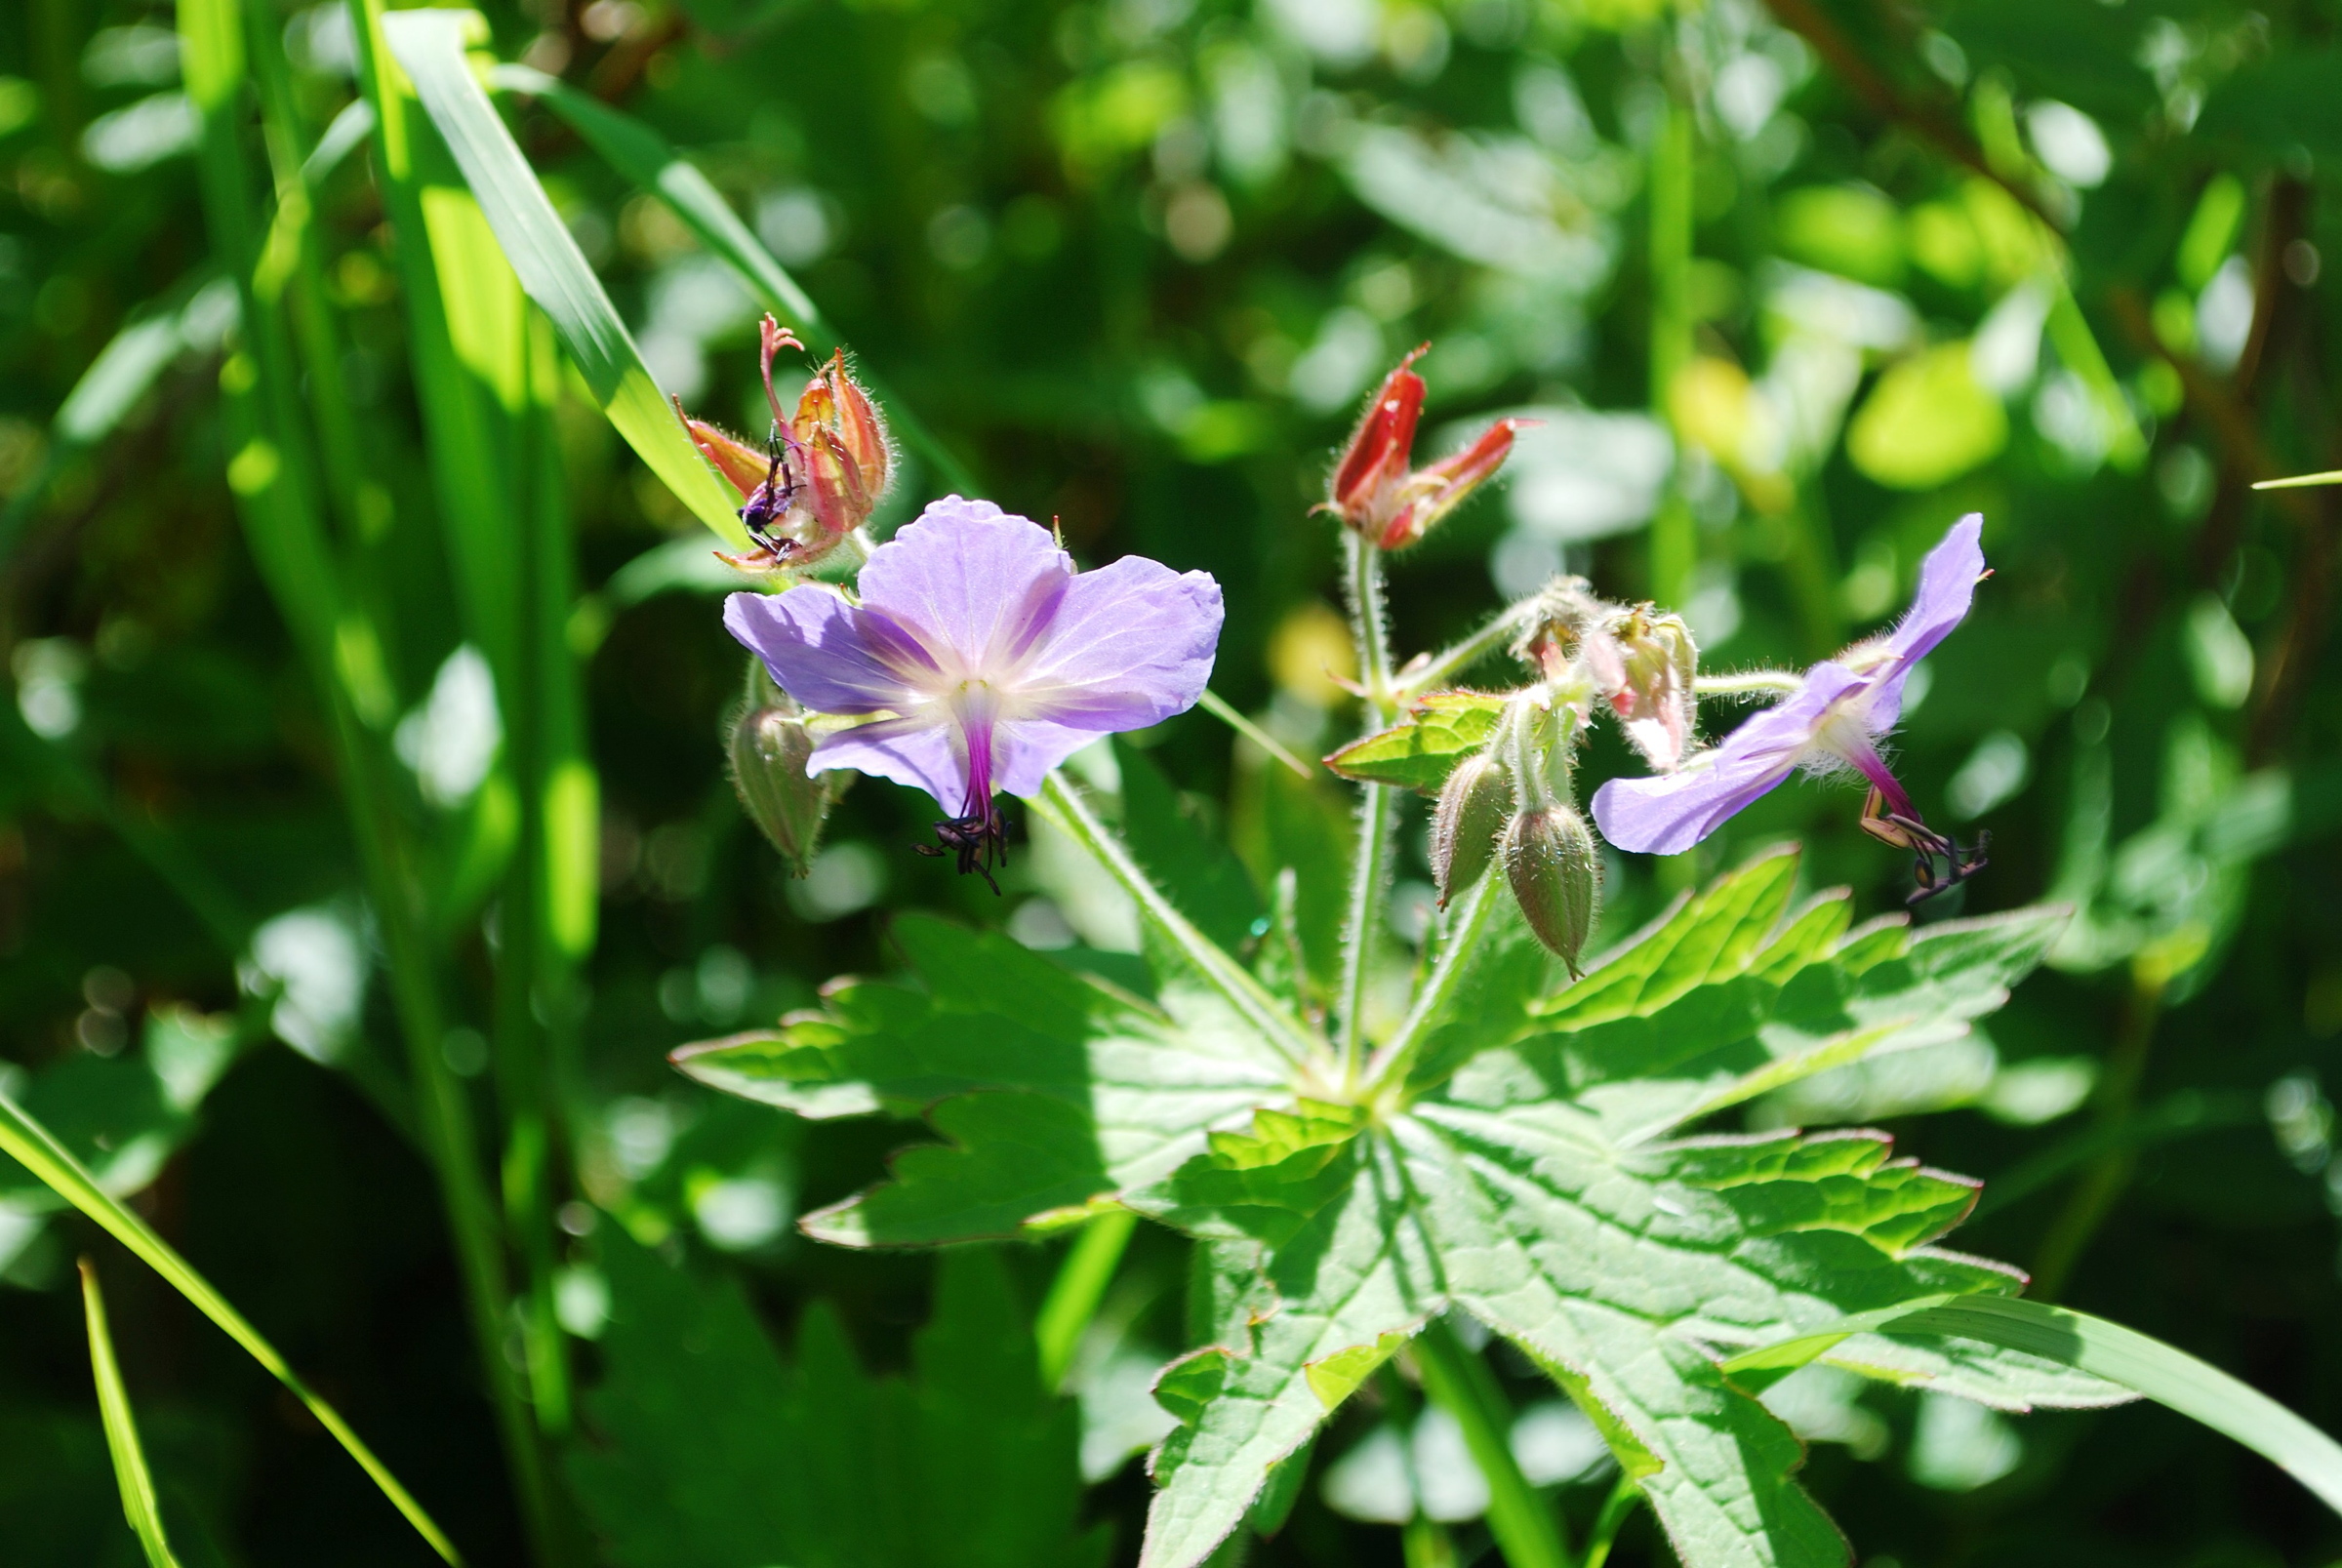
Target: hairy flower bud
<point>1473,806</point>
<point>768,748</point>
<point>1557,875</point>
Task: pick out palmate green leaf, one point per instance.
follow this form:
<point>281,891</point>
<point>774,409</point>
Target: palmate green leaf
<point>706,1449</point>
<point>1522,1159</point>
<point>1439,730</point>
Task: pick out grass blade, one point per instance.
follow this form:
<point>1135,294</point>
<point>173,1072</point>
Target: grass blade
<point>430,45</point>
<point>2160,1372</point>
<point>37,1150</point>
<point>646,159</point>
<point>121,1431</point>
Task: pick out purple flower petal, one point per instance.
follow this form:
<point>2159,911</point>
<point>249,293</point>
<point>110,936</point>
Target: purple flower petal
<point>1669,814</point>
<point>823,650</point>
<point>1946,587</point>
<point>922,751</point>
<point>972,583</point>
<point>1130,645</point>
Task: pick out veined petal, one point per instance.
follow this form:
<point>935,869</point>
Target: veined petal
<point>1025,750</point>
<point>973,583</point>
<point>1946,587</point>
<point>1130,645</point>
<point>823,652</point>
<point>1669,814</point>
<point>924,750</point>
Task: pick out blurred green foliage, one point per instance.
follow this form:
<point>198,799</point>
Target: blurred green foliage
<point>1133,263</point>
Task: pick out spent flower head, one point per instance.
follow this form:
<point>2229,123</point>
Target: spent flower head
<point>822,471</point>
<point>982,659</point>
<point>1375,491</point>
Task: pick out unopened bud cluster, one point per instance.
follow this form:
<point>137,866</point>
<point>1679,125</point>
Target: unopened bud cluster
<point>1511,805</point>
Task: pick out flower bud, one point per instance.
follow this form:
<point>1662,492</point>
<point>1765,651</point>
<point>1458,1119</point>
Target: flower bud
<point>1557,875</point>
<point>769,746</point>
<point>1366,483</point>
<point>1473,806</point>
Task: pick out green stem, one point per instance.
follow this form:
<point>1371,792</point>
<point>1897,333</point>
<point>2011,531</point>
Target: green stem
<point>1748,683</point>
<point>1396,1058</point>
<point>1247,996</point>
<point>1615,1509</point>
<point>1425,1544</point>
<point>1675,536</point>
<point>1220,708</point>
<point>2101,1185</point>
<point>1080,1285</point>
<point>1526,1527</point>
<point>1429,674</point>
<point>1378,807</point>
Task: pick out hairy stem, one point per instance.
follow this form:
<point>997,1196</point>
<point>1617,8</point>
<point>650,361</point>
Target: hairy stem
<point>1747,683</point>
<point>1526,1527</point>
<point>1615,1509</point>
<point>1465,928</point>
<point>1079,1286</point>
<point>1377,808</point>
<point>1429,674</point>
<point>1284,1034</point>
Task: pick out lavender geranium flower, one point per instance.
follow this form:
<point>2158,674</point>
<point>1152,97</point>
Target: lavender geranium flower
<point>1832,721</point>
<point>986,657</point>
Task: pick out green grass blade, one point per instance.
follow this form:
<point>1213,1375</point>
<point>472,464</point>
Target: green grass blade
<point>646,159</point>
<point>430,45</point>
<point>1079,1286</point>
<point>2159,1372</point>
<point>123,372</point>
<point>344,136</point>
<point>121,1431</point>
<point>37,1150</point>
<point>2302,481</point>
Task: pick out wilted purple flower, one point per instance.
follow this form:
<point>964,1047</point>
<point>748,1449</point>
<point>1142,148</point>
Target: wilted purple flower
<point>1832,721</point>
<point>992,658</point>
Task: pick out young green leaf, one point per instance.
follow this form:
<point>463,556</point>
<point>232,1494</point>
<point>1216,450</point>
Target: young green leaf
<point>1418,751</point>
<point>122,1429</point>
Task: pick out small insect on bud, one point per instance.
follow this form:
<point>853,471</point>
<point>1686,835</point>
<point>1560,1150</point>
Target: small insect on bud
<point>769,746</point>
<point>1473,806</point>
<point>1557,875</point>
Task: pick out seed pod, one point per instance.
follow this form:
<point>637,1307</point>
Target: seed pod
<point>1557,875</point>
<point>768,748</point>
<point>1473,806</point>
